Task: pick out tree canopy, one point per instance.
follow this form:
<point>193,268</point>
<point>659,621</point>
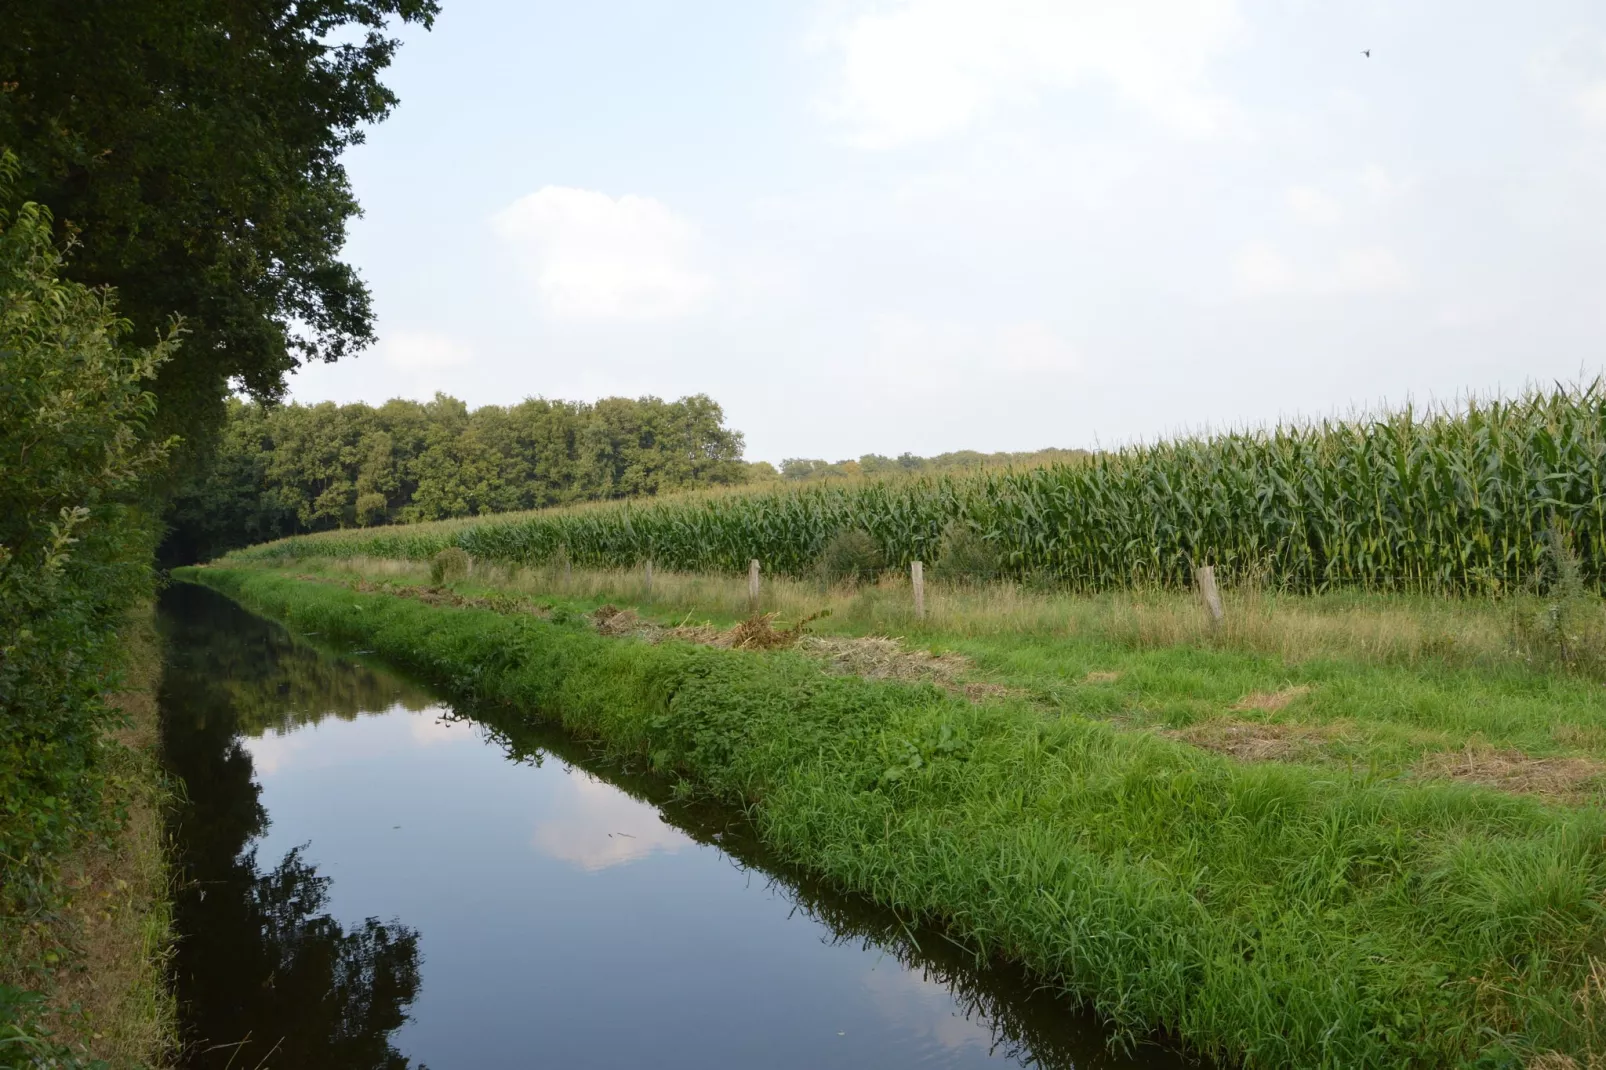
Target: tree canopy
<point>192,147</point>
<point>282,470</point>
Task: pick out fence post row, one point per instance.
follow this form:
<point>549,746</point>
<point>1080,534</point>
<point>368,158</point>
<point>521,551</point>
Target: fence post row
<point>752,585</point>
<point>917,579</point>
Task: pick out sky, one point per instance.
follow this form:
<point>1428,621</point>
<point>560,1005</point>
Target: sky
<point>927,225</point>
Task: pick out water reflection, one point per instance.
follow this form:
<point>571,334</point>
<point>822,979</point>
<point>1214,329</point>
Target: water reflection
<point>265,976</point>
<point>575,914</point>
<point>596,827</point>
<point>992,1008</point>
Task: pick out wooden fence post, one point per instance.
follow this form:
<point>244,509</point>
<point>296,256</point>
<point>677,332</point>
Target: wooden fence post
<point>752,586</point>
<point>649,577</point>
<point>917,579</point>
<point>1209,594</point>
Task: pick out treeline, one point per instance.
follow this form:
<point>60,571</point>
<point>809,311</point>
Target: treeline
<point>875,465</point>
<point>1469,501</point>
<point>287,469</point>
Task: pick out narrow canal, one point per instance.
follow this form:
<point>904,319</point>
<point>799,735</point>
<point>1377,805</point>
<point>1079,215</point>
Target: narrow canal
<point>374,880</point>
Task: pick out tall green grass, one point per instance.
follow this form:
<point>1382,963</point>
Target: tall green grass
<point>1443,501</point>
<point>1281,915</point>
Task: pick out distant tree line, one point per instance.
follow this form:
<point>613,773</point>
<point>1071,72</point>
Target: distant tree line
<point>288,469</point>
<point>802,469</point>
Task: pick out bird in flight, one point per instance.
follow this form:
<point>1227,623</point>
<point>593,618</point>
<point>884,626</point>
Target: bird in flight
<point>1367,52</point>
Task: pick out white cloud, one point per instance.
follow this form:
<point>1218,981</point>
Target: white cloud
<point>1262,271</point>
<point>907,355</point>
<point>423,351</point>
<point>921,69</point>
<point>591,256</point>
<point>421,362</point>
<point>1371,270</point>
<point>1313,206</point>
<point>1379,183</point>
<point>1591,104</point>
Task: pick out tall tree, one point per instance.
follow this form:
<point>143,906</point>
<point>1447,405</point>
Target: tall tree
<point>193,146</point>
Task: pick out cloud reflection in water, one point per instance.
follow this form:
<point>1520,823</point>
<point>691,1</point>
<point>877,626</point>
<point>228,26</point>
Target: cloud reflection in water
<point>598,827</point>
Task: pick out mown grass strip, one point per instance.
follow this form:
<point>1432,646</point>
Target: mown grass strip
<point>1275,914</point>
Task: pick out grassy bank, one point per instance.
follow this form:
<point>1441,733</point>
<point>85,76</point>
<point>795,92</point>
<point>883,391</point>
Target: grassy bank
<point>96,957</point>
<point>1339,909</point>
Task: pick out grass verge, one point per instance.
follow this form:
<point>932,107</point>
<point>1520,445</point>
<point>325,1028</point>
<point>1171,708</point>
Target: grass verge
<point>98,960</point>
<point>1275,913</point>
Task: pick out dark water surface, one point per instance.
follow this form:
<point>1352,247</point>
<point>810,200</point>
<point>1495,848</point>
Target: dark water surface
<point>374,880</point>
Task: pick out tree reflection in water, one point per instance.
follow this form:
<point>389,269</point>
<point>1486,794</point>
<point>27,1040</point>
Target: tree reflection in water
<point>264,976</point>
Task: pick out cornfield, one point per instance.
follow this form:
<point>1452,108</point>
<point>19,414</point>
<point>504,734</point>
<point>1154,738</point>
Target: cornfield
<point>1443,500</point>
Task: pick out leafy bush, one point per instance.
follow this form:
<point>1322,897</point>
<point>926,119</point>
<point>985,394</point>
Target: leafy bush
<point>450,564</point>
<point>851,557</point>
<point>75,545</point>
<point>1570,628</point>
<point>965,556</point>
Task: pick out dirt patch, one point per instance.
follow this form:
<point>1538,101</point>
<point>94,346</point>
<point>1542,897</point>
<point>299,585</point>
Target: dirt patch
<point>1565,779</point>
<point>1256,741</point>
<point>1101,678</point>
<point>757,632</point>
<point>870,657</point>
<point>880,658</point>
<point>1270,701</point>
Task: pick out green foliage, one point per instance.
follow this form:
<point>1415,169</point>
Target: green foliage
<point>1270,913</point>
<point>448,566</point>
<point>25,1044</point>
<point>1570,629</point>
<point>1450,502</point>
<point>851,557</point>
<point>75,546</point>
<point>195,147</point>
<point>965,556</point>
<point>296,468</point>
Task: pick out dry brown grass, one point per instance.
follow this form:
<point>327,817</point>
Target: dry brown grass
<point>1555,1060</point>
<point>871,657</point>
<point>1101,678</point>
<point>1561,779</point>
<point>1259,741</point>
<point>1584,737</point>
<point>109,997</point>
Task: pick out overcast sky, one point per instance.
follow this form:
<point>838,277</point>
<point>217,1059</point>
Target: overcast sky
<point>990,224</point>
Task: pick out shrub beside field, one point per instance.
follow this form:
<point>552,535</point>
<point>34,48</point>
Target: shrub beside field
<point>1446,502</point>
